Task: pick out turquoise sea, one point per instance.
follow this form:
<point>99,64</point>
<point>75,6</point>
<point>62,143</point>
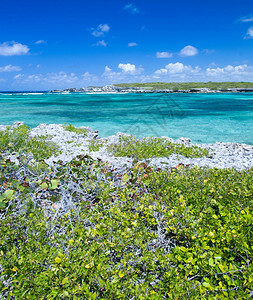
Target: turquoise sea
<point>205,118</point>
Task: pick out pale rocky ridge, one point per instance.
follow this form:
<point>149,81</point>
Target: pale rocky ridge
<point>222,155</point>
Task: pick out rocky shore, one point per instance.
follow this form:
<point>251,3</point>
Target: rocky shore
<point>121,90</point>
<point>71,144</point>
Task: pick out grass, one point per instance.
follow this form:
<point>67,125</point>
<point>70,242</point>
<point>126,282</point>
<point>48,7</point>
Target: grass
<point>153,147</point>
<point>175,86</point>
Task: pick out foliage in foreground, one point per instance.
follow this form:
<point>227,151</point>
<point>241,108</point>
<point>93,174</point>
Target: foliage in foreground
<point>153,147</point>
<point>82,230</point>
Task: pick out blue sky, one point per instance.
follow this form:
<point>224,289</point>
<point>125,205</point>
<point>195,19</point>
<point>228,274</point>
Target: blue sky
<point>60,43</point>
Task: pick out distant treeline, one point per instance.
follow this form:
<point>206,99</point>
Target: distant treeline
<point>188,85</point>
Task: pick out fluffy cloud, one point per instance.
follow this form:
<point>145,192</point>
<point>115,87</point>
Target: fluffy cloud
<point>130,69</point>
<point>189,51</point>
<point>110,74</point>
<point>164,54</point>
<point>128,72</point>
<point>13,48</point>
<point>132,44</point>
<point>234,71</point>
<point>127,68</point>
<point>180,72</point>
<point>40,42</point>
<point>131,8</point>
<point>10,68</point>
<point>101,43</point>
<point>176,68</point>
<point>100,30</point>
<point>249,34</point>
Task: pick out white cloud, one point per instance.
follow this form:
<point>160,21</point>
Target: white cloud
<point>230,71</point>
<point>101,43</point>
<point>128,73</point>
<point>177,71</point>
<point>55,80</point>
<point>108,72</point>
<point>249,34</point>
<point>131,8</point>
<point>61,77</point>
<point>107,69</point>
<point>100,30</point>
<point>89,77</point>
<point>19,76</point>
<point>130,69</point>
<point>38,66</point>
<point>177,68</point>
<point>10,68</point>
<point>162,71</point>
<point>247,19</point>
<point>164,54</point>
<point>127,68</point>
<point>189,51</point>
<point>13,48</point>
<point>181,72</point>
<point>132,44</point>
<point>40,42</point>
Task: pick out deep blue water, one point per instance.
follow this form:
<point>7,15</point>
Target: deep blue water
<point>201,117</point>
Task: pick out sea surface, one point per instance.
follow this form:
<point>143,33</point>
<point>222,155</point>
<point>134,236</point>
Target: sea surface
<point>205,118</point>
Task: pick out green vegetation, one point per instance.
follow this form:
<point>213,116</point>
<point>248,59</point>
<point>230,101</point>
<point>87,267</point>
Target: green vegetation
<point>95,145</point>
<point>18,140</point>
<point>152,147</point>
<point>82,230</point>
<point>175,86</point>
<point>72,128</point>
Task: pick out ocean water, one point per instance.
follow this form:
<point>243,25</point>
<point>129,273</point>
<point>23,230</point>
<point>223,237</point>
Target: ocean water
<point>205,118</point>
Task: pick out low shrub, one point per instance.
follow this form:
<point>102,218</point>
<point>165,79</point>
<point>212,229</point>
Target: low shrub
<point>153,147</point>
<point>18,140</point>
<point>72,128</point>
<point>82,230</point>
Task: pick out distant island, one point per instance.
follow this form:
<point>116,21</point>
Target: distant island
<point>166,87</point>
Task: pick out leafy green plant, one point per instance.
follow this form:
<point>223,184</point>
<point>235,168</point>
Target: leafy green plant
<point>153,147</point>
<point>72,128</point>
<point>182,233</point>
<point>95,145</point>
<point>18,140</point>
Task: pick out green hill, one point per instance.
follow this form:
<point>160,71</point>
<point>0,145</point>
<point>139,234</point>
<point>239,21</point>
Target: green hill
<point>188,85</point>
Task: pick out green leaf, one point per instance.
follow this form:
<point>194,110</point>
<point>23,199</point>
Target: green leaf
<point>54,184</point>
<point>211,262</point>
<point>8,194</point>
<point>125,178</point>
<point>58,260</point>
<point>2,205</point>
<point>44,186</point>
<point>206,284</point>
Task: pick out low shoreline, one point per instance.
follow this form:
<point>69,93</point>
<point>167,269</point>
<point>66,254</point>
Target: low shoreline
<point>165,87</point>
<point>71,144</point>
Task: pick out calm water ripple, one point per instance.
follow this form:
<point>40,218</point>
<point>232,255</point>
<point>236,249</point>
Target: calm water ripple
<point>202,117</point>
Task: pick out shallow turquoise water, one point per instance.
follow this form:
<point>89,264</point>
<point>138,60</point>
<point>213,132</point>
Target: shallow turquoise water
<point>204,118</point>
